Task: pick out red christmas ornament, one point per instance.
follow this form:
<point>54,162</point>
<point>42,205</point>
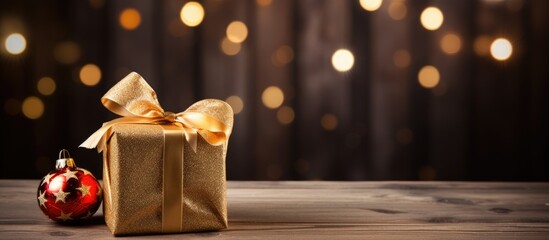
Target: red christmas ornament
<point>69,193</point>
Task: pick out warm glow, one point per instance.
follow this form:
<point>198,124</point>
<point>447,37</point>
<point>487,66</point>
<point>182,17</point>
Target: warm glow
<point>66,52</point>
<point>272,97</point>
<point>397,10</point>
<point>285,115</point>
<point>282,56</point>
<point>370,5</point>
<point>328,122</point>
<point>343,60</point>
<point>130,18</point>
<point>431,18</point>
<point>237,32</point>
<point>229,48</point>
<point>236,103</point>
<point>192,14</point>
<point>46,86</point>
<point>482,45</point>
<point>428,76</point>
<point>402,58</point>
<point>264,3</point>
<point>33,107</point>
<point>450,43</point>
<point>90,74</point>
<point>15,43</point>
<point>501,49</point>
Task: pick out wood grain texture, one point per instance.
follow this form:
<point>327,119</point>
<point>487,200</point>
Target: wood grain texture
<point>330,210</point>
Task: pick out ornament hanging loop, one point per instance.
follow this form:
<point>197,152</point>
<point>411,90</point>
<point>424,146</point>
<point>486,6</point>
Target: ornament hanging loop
<point>64,160</point>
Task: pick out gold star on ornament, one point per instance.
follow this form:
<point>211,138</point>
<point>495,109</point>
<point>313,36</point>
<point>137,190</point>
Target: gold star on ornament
<point>86,172</point>
<point>84,189</point>
<point>70,174</point>
<point>42,199</point>
<point>60,196</point>
<point>64,216</point>
<point>88,215</point>
<point>47,179</point>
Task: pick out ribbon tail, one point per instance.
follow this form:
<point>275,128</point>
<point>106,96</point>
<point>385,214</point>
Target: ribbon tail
<point>191,135</point>
<point>99,137</point>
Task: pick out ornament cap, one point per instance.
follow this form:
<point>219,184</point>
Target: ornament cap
<point>64,160</point>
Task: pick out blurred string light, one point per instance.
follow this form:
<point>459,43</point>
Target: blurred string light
<point>46,86</point>
<point>33,107</point>
<point>130,19</point>
<point>264,3</point>
<point>229,48</point>
<point>66,52</point>
<point>450,43</point>
<point>285,115</point>
<point>428,76</point>
<point>97,3</point>
<point>501,49</point>
<point>12,106</point>
<point>15,43</point>
<point>272,97</point>
<point>370,5</point>
<point>343,60</point>
<point>192,14</point>
<point>328,121</point>
<point>90,75</point>
<point>402,58</point>
<point>482,45</point>
<point>236,103</point>
<point>431,18</point>
<point>282,56</point>
<point>237,32</point>
<point>397,10</point>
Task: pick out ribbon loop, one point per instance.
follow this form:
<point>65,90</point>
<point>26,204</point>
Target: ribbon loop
<point>136,102</point>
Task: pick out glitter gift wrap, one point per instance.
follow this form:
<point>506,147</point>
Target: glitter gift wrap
<point>163,172</point>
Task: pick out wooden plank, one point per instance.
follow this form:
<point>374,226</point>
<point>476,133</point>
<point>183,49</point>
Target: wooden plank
<point>327,210</point>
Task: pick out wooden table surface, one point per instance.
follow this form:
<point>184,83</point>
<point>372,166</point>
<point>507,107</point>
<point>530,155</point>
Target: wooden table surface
<point>329,210</point>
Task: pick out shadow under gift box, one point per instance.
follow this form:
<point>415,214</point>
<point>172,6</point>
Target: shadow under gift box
<point>134,193</point>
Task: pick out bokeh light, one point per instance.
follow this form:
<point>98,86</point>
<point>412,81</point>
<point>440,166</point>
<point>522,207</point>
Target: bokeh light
<point>501,49</point>
<point>237,32</point>
<point>66,52</point>
<point>15,43</point>
<point>285,115</point>
<point>12,106</point>
<point>402,58</point>
<point>343,60</point>
<point>282,56</point>
<point>450,43</point>
<point>229,48</point>
<point>33,107</point>
<point>370,5</point>
<point>397,10</point>
<point>431,18</point>
<point>264,3</point>
<point>272,97</point>
<point>90,74</point>
<point>129,18</point>
<point>236,103</point>
<point>328,121</point>
<point>428,76</point>
<point>192,14</point>
<point>482,45</point>
<point>46,86</point>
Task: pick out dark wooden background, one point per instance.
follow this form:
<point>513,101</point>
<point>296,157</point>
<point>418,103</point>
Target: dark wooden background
<point>487,120</point>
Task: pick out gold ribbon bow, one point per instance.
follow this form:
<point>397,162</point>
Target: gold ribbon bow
<point>134,100</point>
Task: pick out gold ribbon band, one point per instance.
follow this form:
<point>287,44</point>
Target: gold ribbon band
<point>172,207</point>
<point>136,102</point>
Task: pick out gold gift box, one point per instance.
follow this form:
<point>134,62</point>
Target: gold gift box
<point>133,199</point>
<point>163,172</point>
